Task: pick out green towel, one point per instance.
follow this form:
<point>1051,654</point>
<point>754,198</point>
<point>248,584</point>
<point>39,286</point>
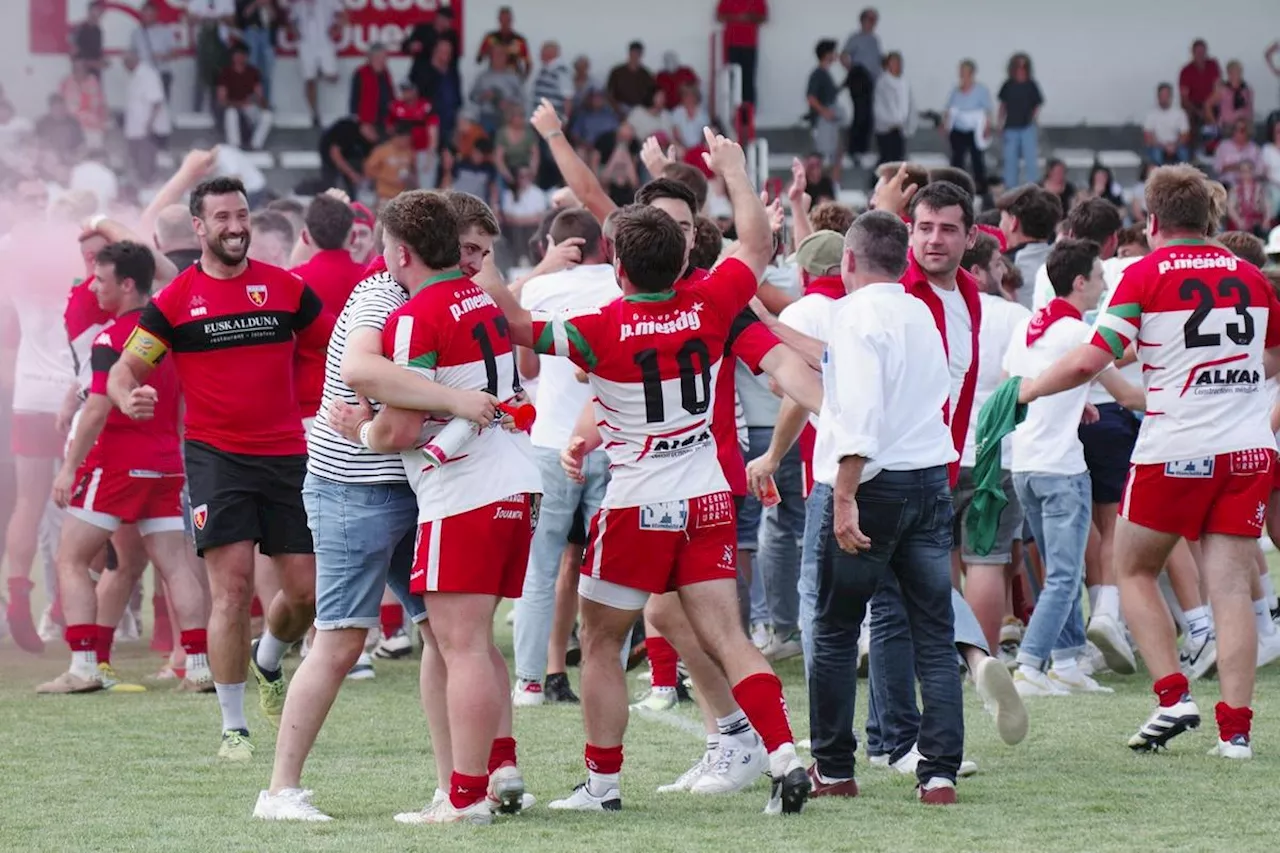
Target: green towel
<point>1000,415</point>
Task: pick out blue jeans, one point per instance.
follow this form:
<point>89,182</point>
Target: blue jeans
<point>536,607</point>
<point>1021,145</point>
<point>808,586</point>
<point>778,557</point>
<point>262,55</point>
<point>908,516</point>
<point>364,537</point>
<point>1059,509</point>
<point>1159,157</point>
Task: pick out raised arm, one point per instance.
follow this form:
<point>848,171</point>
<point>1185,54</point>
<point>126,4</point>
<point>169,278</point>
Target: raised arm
<point>577,174</point>
<point>750,218</point>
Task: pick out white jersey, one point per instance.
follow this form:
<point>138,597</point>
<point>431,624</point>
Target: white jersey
<point>1000,319</point>
<point>452,333</point>
<point>1200,319</point>
<point>811,314</point>
<point>45,370</point>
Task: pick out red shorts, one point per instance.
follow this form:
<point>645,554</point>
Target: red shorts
<point>1225,494</point>
<point>1275,476</point>
<point>107,498</point>
<point>35,435</point>
<point>483,551</point>
<point>661,547</point>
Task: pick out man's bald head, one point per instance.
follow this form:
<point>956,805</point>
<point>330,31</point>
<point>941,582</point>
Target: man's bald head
<point>174,230</point>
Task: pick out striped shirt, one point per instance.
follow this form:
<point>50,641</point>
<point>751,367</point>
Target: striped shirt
<point>555,83</point>
<point>329,455</point>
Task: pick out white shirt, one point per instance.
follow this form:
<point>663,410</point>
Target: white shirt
<point>561,397</point>
<point>92,176</point>
<point>211,8</point>
<point>312,18</point>
<point>959,337</point>
<point>233,163</point>
<point>533,200</point>
<point>43,367</point>
<point>1271,164</point>
<point>812,315</point>
<point>1000,318</point>
<point>885,381</point>
<point>146,91</point>
<point>1166,126</point>
<point>155,44</point>
<point>1048,441</point>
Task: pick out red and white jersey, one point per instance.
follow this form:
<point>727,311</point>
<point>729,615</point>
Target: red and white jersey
<point>84,319</point>
<point>452,333</point>
<point>1201,319</point>
<point>653,361</point>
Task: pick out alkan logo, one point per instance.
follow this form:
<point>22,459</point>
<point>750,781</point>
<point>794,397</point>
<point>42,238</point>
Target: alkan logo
<point>1216,377</point>
<point>257,294</point>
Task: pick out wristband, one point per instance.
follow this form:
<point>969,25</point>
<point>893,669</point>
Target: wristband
<point>364,433</point>
<point>553,134</point>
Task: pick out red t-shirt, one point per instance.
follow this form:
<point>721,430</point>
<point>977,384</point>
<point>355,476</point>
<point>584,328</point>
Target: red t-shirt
<point>419,113</point>
<point>740,34</point>
<point>84,318</point>
<point>332,275</point>
<point>126,444</point>
<point>671,82</point>
<point>240,85</point>
<point>233,343</point>
<point>1200,82</point>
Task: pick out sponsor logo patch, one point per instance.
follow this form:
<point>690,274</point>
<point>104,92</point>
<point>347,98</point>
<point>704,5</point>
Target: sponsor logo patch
<point>668,515</point>
<point>1249,462</point>
<point>1193,469</point>
<point>199,515</point>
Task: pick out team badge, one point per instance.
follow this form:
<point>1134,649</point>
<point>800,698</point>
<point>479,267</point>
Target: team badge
<point>257,294</point>
<point>199,515</point>
<point>668,515</point>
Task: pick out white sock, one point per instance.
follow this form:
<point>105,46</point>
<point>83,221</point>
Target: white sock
<point>1108,602</point>
<point>663,691</point>
<point>782,759</point>
<point>271,651</point>
<point>599,784</point>
<point>1269,592</point>
<point>737,727</point>
<point>831,780</point>
<point>1198,620</point>
<point>84,664</point>
<point>1028,670</point>
<point>1262,618</point>
<point>197,663</point>
<point>1066,666</point>
<point>1093,598</point>
<point>231,700</point>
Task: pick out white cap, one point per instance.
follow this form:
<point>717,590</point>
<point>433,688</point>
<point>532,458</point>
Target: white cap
<point>1273,241</point>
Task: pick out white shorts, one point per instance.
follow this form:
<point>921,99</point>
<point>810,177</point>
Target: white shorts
<point>610,594</point>
<point>317,57</point>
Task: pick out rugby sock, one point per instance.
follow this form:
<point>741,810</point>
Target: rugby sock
<point>1108,603</point>
<point>662,662</point>
<point>1171,689</point>
<point>196,644</point>
<point>738,727</point>
<point>231,701</point>
<point>604,766</point>
<point>271,651</point>
<point>760,696</point>
<point>255,608</point>
<point>83,640</point>
<point>1232,721</point>
<point>392,618</point>
<point>1198,622</point>
<point>1093,598</point>
<point>1262,618</point>
<point>465,791</point>
<point>106,636</point>
<point>502,752</point>
<point>1269,591</point>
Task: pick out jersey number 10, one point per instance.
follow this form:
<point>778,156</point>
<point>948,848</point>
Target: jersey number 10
<point>695,381</point>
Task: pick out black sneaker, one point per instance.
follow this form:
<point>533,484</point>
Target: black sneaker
<point>573,652</point>
<point>557,689</point>
<point>788,794</point>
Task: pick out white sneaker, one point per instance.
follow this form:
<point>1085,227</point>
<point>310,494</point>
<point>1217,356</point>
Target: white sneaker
<point>1166,723</point>
<point>907,764</point>
<point>363,669</point>
<point>688,778</point>
<point>734,768</point>
<point>783,648</point>
<point>1075,681</point>
<point>1001,699</point>
<point>657,699</point>
<point>1092,662</point>
<point>864,647</point>
<point>423,815</point>
<point>1108,635</point>
<point>1268,649</point>
<point>476,814</point>
<point>506,791</point>
<point>1035,683</point>
<point>583,800</point>
<point>289,804</point>
<point>1238,748</point>
<point>49,630</point>
<point>761,633</point>
<point>1199,657</point>
<point>398,645</point>
<point>967,769</point>
<point>881,761</point>
<point>804,744</point>
<point>527,694</point>
<point>127,631</point>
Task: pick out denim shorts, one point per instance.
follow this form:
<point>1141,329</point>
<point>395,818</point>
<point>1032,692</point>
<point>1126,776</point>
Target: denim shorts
<point>364,537</point>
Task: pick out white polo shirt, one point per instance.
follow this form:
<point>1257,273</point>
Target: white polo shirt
<point>1000,318</point>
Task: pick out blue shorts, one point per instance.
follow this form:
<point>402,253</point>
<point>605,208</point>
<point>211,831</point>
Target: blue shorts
<point>1108,444</point>
<point>364,537</point>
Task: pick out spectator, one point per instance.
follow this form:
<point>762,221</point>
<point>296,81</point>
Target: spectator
<point>86,39</point>
<point>421,45</point>
<point>689,118</point>
<point>1166,130</point>
<point>524,204</point>
<point>468,133</point>
<point>154,44</point>
<point>372,90</point>
<point>440,84</point>
<point>630,83</point>
<point>1055,181</point>
<point>271,236</point>
<point>1197,84</point>
<point>1102,184</point>
<point>499,84</point>
<point>741,20</point>
<point>824,117</point>
<point>893,109</point>
<point>1234,98</point>
<point>14,129</point>
<point>82,92</point>
<point>1020,102</point>
<point>147,124</point>
<point>554,80</point>
<point>475,173</point>
<point>1029,216</point>
<point>59,131</point>
<point>594,119</point>
<point>411,108</point>
<point>1247,208</point>
<point>967,123</point>
<point>244,105</point>
<point>863,60</point>
<point>819,185</point>
<point>1271,164</point>
<point>318,24</point>
<point>508,41</point>
<point>210,28</point>
<point>653,119</point>
<point>619,174</point>
<point>1132,242</point>
<point>391,166</point>
<point>673,77</point>
<point>343,149</point>
<point>259,23</point>
<point>515,146</point>
<point>1234,150</point>
<point>583,82</point>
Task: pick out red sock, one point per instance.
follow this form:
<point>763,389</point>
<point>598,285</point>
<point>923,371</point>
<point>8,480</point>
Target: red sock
<point>662,661</point>
<point>1232,721</point>
<point>255,608</point>
<point>162,632</point>
<point>760,697</point>
<point>81,638</point>
<point>20,597</point>
<point>604,759</point>
<point>106,636</point>
<point>195,642</point>
<point>1171,689</point>
<point>466,791</point>
<point>1022,603</point>
<point>392,618</point>
<point>502,752</point>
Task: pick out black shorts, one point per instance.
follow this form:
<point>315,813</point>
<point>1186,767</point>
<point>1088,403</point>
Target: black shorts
<point>578,529</point>
<point>241,498</point>
<point>1108,444</point>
